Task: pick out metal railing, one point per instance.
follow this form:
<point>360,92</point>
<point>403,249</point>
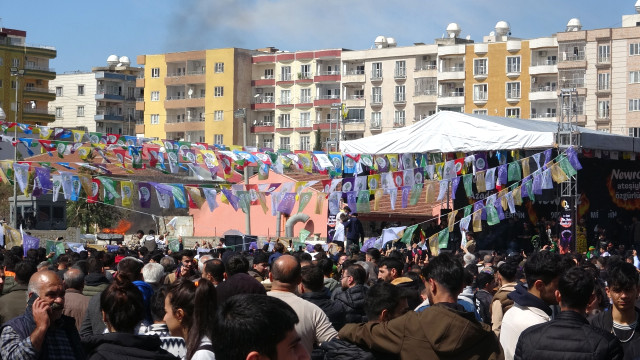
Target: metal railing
<point>451,94</point>
<point>30,110</point>
<point>186,73</point>
<point>425,92</point>
<point>513,94</point>
<point>332,72</point>
<point>376,99</point>
<point>40,90</point>
<point>264,100</point>
<point>454,68</point>
<point>544,88</point>
<point>545,62</point>
<point>285,102</point>
<point>482,96</point>
<point>355,97</point>
<point>376,124</point>
<point>284,77</point>
<point>40,68</point>
<point>328,97</point>
<point>604,59</point>
<point>398,123</point>
<point>306,100</point>
<point>543,115</point>
<point>305,76</point>
<point>426,66</point>
<point>572,56</point>
<point>355,72</point>
<point>399,98</point>
<point>264,123</point>
<point>400,73</point>
<point>376,75</point>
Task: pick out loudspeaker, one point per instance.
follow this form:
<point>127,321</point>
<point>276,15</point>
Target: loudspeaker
<point>234,242</point>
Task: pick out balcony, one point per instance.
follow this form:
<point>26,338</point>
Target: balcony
<point>185,78</point>
<point>480,72</point>
<point>184,126</point>
<point>603,90</point>
<point>399,99</point>
<point>376,75</point>
<point>429,96</point>
<point>284,126</point>
<point>375,125</point>
<point>603,62</point>
<point>263,103</point>
<point>572,83</point>
<point>140,104</point>
<point>451,98</point>
<point>543,93</point>
<point>265,81</point>
<point>354,125</point>
<point>326,101</point>
<point>420,117</point>
<point>102,94</point>
<point>304,126</point>
<point>513,72</point>
<point>353,77</point>
<point>109,116</point>
<point>305,102</point>
<point>480,98</point>
<point>513,96</point>
<point>39,72</point>
<point>36,93</point>
<point>376,100</point>
<point>304,78</point>
<point>398,123</point>
<point>455,72</point>
<point>327,76</point>
<point>37,115</point>
<point>263,127</point>
<point>326,125</point>
<point>426,69</point>
<point>355,101</point>
<point>140,82</point>
<point>400,74</point>
<point>181,102</point>
<point>544,67</point>
<point>285,104</point>
<point>572,60</point>
<point>285,80</point>
<point>546,116</point>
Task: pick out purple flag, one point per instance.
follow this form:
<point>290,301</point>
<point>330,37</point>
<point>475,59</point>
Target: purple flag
<point>405,196</point>
<point>233,200</point>
<point>537,183</point>
<point>144,194</point>
<point>29,242</point>
<point>287,203</point>
<point>523,192</point>
<point>573,158</point>
<point>382,163</point>
<point>498,205</point>
<point>352,200</point>
<point>348,185</point>
<point>43,175</point>
<point>368,244</point>
<point>502,175</point>
<point>481,161</point>
<point>418,175</point>
<point>163,193</point>
<point>454,186</point>
<point>547,156</point>
<point>480,205</point>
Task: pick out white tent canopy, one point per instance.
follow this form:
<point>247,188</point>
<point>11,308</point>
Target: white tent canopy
<point>448,131</point>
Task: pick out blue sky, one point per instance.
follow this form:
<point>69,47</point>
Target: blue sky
<point>86,32</point>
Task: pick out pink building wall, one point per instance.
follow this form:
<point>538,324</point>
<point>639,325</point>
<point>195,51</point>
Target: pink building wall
<point>223,218</point>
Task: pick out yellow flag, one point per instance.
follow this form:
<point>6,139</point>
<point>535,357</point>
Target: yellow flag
<point>77,135</point>
<point>3,176</point>
<point>558,174</point>
<point>525,167</point>
<point>517,196</point>
<point>320,198</point>
<point>84,152</point>
<point>480,183</point>
<point>477,221</point>
<point>194,193</point>
<point>126,191</point>
<point>434,246</point>
<point>503,199</point>
<point>263,201</point>
<point>430,193</point>
<point>451,219</point>
<point>12,237</point>
<point>85,181</point>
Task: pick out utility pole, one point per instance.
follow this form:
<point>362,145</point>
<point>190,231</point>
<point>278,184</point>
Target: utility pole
<point>17,73</point>
<point>242,113</point>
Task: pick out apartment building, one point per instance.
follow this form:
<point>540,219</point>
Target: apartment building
<point>192,96</point>
<point>103,100</point>
<point>24,78</point>
<point>296,99</point>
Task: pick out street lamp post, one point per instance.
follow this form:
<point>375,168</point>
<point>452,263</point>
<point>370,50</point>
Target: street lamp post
<point>17,73</point>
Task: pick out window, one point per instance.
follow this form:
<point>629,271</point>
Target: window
<point>480,92</point>
<point>14,84</point>
<point>0,81</point>
<point>513,64</point>
<point>400,94</point>
<point>401,69</point>
<point>305,119</point>
<point>634,132</point>
<point>355,115</point>
<point>634,49</point>
<point>305,143</point>
<point>285,73</point>
<point>218,115</point>
<point>80,111</point>
<point>603,81</point>
<point>398,119</point>
<point>376,70</point>
<point>218,91</point>
<point>513,113</point>
<point>15,62</point>
<point>155,96</point>
<point>634,77</point>
<point>284,143</point>
<point>58,90</point>
<point>1,61</point>
<point>155,72</point>
<point>376,95</point>
<point>218,139</point>
<point>285,121</point>
<point>480,112</point>
<point>634,104</point>
<point>59,112</point>
<point>305,72</point>
<point>80,90</point>
<point>480,67</point>
<point>604,53</point>
<point>268,73</point>
<point>219,67</point>
<point>603,109</point>
<point>155,119</point>
<point>305,96</point>
<point>513,90</point>
<point>267,143</point>
<point>285,97</point>
<point>376,120</point>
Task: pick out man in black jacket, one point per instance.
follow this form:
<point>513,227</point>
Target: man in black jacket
<point>354,232</point>
<point>353,294</point>
<point>312,289</point>
<point>569,335</point>
<point>622,319</point>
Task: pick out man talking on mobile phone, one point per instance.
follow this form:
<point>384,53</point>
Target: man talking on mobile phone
<point>42,332</point>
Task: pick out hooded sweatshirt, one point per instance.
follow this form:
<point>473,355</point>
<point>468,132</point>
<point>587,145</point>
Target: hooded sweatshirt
<point>124,346</point>
<point>443,331</point>
<point>527,310</point>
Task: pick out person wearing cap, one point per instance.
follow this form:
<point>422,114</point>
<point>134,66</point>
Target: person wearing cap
<point>592,252</point>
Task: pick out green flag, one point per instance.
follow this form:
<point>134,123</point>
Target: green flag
<point>492,215</point>
<point>305,197</point>
<point>50,245</point>
<point>174,244</point>
<point>109,187</point>
<point>467,180</point>
<point>408,234</point>
<point>467,210</point>
<point>297,245</point>
<point>304,234</point>
<point>513,171</point>
<point>529,186</point>
<point>362,203</point>
<point>416,191</point>
<point>244,200</point>
<point>179,198</point>
<point>565,165</point>
<point>443,238</point>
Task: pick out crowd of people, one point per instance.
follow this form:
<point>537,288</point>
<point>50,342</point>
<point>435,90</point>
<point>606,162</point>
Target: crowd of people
<point>145,302</point>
